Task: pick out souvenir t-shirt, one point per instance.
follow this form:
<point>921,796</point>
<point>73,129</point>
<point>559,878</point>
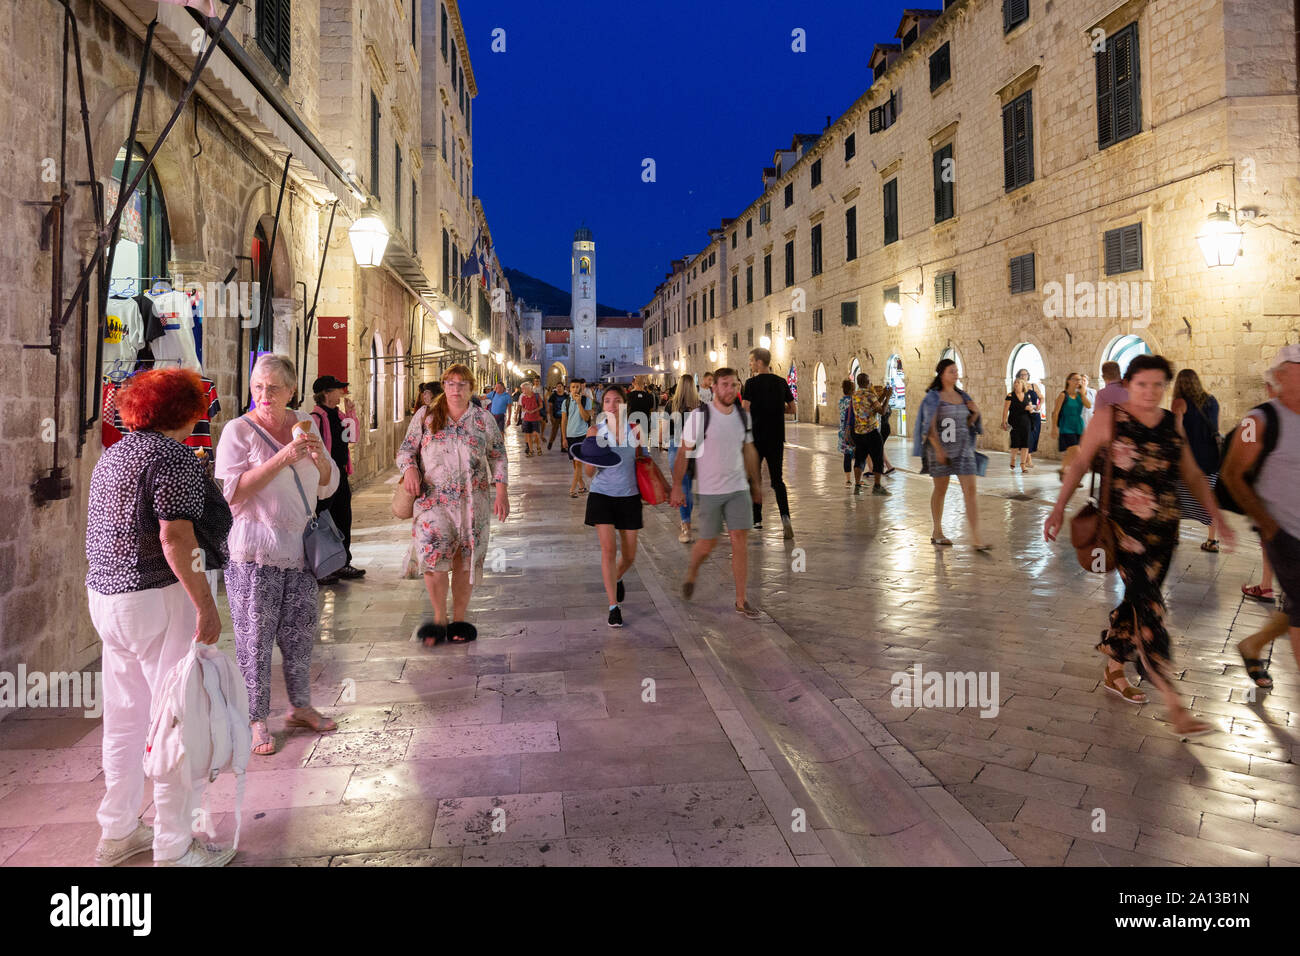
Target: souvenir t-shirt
<point>123,335</point>
<point>177,317</point>
<point>720,459</point>
<point>767,395</point>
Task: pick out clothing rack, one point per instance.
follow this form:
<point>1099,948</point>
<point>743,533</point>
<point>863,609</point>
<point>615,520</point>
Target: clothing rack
<point>118,376</point>
<point>148,282</point>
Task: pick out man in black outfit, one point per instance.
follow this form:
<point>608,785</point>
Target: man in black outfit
<point>640,400</point>
<point>768,398</point>
<point>336,431</point>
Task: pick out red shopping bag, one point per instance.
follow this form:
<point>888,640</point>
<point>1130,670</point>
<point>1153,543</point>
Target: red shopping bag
<point>650,482</point>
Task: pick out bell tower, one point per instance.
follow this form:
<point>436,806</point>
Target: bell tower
<point>586,361</point>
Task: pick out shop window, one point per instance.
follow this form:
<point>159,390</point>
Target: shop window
<point>144,242</point>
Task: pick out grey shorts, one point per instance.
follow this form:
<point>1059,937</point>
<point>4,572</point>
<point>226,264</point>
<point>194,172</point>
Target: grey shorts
<point>736,509</point>
<point>1284,554</point>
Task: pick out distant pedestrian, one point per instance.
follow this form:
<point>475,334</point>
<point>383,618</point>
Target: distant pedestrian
<point>1270,500</point>
<point>531,423</point>
<point>1067,414</point>
<point>574,421</point>
<point>846,445</point>
<point>767,398</point>
<point>555,410</point>
<point>726,467</point>
<point>614,505</point>
<point>684,401</point>
<point>1113,391</point>
<point>867,442</point>
<point>1034,392</point>
<point>449,460</point>
<point>1148,454</point>
<point>640,406</point>
<point>1015,419</point>
<point>1197,412</point>
<point>706,388</point>
<point>500,406</point>
<point>338,428</point>
<point>944,440</point>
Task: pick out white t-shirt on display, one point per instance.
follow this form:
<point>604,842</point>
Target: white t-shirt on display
<point>720,460</point>
<point>124,336</point>
<point>174,312</point>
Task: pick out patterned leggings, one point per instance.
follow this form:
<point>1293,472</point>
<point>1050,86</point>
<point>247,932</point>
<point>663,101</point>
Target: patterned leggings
<point>270,606</point>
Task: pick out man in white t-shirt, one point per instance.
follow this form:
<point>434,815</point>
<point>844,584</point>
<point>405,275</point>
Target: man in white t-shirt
<point>726,474</point>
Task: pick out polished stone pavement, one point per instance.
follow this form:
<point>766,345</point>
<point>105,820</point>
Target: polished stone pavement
<point>773,742</point>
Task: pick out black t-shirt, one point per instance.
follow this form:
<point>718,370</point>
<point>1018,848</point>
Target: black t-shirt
<point>640,401</point>
<point>338,447</point>
<point>767,395</point>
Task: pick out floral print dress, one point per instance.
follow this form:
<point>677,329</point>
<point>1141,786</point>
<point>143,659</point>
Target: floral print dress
<point>1144,509</point>
<point>458,466</point>
<point>846,435</point>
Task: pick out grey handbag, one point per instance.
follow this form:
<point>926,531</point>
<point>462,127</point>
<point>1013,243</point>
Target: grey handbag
<point>321,539</point>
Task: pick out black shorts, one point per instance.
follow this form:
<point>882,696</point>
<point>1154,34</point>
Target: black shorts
<point>623,513</point>
<point>1284,554</point>
<point>1066,440</point>
<point>574,443</point>
<point>530,427</point>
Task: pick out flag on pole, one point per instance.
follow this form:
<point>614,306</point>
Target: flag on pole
<point>471,264</point>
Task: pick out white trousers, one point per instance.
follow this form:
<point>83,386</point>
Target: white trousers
<point>144,634</point>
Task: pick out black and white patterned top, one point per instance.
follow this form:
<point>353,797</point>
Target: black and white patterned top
<point>141,480</point>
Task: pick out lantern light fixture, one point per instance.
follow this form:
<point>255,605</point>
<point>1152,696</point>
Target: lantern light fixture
<point>1220,239</point>
<point>369,238</point>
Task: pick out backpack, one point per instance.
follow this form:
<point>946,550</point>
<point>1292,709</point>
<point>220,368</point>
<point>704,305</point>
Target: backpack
<point>198,725</point>
<point>1221,493</point>
<point>704,430</point>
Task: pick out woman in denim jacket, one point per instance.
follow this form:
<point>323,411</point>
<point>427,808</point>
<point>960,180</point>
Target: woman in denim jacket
<point>944,440</point>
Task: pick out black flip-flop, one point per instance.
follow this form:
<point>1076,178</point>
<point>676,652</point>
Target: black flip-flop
<point>1257,670</point>
<point>461,632</point>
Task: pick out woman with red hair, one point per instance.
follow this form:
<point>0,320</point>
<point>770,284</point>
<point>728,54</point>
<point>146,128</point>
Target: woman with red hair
<point>152,510</point>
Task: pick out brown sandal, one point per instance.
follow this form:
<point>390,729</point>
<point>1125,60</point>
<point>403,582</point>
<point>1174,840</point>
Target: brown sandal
<point>262,739</point>
<point>1129,693</point>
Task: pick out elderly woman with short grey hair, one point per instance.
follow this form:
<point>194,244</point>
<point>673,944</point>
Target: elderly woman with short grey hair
<point>272,590</point>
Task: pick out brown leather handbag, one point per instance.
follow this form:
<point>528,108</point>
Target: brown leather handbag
<point>1092,533</point>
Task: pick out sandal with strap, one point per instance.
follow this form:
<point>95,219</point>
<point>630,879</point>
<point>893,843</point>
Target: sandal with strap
<point>1256,669</point>
<point>1128,692</point>
<point>1257,592</point>
<point>262,739</point>
<point>1210,546</point>
<point>310,719</point>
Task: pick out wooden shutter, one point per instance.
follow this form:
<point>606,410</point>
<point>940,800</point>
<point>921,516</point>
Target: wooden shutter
<point>891,211</point>
<point>876,119</point>
<point>851,233</point>
<point>1123,249</point>
<point>1123,58</point>
<point>1014,12</point>
<point>1105,97</point>
<point>1018,141</point>
<point>943,192</point>
<point>940,67</point>
<point>1022,273</point>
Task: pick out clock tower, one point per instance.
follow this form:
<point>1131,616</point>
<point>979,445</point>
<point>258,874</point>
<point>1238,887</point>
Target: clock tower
<point>586,357</point>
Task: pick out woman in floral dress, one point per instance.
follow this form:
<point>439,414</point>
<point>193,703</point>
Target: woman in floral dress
<point>452,454</point>
<point>1148,455</point>
<point>846,429</point>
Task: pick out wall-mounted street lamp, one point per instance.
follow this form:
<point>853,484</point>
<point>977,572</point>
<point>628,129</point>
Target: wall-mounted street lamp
<point>894,310</point>
<point>369,238</point>
<point>713,356</point>
<point>484,346</point>
<point>1220,240</point>
<point>444,320</point>
<point>764,342</point>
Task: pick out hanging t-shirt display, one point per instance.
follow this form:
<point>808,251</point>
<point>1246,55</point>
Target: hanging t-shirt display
<point>113,429</point>
<point>123,336</point>
<point>177,343</point>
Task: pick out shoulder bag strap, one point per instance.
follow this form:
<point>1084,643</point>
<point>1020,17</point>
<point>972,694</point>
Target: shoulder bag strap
<point>1104,503</point>
<point>292,470</point>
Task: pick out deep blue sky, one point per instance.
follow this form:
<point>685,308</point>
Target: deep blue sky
<point>586,90</point>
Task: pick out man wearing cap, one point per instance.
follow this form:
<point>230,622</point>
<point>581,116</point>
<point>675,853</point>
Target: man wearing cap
<point>337,430</point>
<point>1270,499</point>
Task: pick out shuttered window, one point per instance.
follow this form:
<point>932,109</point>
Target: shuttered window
<point>817,321</point>
<point>848,313</point>
<point>1022,273</point>
<point>446,261</point>
<point>1124,249</point>
<point>816,174</point>
<point>735,291</point>
<point>850,146</point>
<point>1018,141</point>
<point>944,203</point>
<point>789,195</point>
<point>749,228</point>
<point>883,116</point>
<point>850,233</point>
<point>767,274</point>
<point>816,245</point>
<point>945,291</point>
<point>397,185</point>
<point>1014,13</point>
<point>1119,103</point>
<point>274,32</point>
<point>940,67</point>
<point>374,145</point>
<point>444,33</point>
<point>749,283</point>
<point>789,263</point>
<point>891,211</point>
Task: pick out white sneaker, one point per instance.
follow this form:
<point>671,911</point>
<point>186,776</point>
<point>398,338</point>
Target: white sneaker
<point>685,536</point>
<point>113,852</point>
<point>201,854</point>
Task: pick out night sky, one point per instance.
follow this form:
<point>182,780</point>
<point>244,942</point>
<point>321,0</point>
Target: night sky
<point>586,90</point>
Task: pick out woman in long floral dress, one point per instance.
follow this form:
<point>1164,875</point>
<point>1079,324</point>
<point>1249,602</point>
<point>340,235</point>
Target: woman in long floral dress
<point>846,429</point>
<point>1148,455</point>
<point>452,455</point>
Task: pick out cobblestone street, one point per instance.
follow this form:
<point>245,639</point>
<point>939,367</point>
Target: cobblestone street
<point>769,742</point>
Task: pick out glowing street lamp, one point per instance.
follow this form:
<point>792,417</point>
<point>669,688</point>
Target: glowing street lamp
<point>444,320</point>
<point>713,356</point>
<point>893,313</point>
<point>369,237</point>
<point>484,346</point>
<point>1220,240</point>
<point>765,341</point>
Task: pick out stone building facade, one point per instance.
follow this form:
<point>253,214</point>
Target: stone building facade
<point>303,88</point>
<point>985,139</point>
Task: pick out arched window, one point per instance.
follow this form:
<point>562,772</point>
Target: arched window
<point>951,353</point>
<point>144,243</point>
<point>399,387</point>
<point>1026,357</point>
<point>854,368</point>
<point>1123,350</point>
<point>266,279</point>
<point>821,384</point>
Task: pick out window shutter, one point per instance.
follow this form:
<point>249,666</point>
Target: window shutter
<point>1024,140</point>
<point>284,36</point>
<point>891,211</point>
<point>940,67</point>
<point>1123,58</point>
<point>851,233</point>
<point>1105,98</point>
<point>1022,273</point>
<point>1008,147</point>
<point>943,192</point>
<point>1013,13</point>
<point>1123,249</point>
<point>875,121</point>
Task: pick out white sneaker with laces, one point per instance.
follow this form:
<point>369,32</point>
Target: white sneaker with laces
<point>113,852</point>
<point>201,854</point>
